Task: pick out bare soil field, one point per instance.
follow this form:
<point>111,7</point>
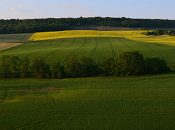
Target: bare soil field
<point>8,45</point>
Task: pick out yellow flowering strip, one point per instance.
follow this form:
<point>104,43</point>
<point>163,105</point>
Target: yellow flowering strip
<point>132,35</point>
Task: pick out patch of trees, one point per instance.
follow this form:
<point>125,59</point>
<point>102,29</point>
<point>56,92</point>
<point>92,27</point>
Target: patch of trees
<point>125,64</point>
<point>57,24</point>
<point>161,32</point>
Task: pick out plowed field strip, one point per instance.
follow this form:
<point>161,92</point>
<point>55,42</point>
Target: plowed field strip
<point>4,46</point>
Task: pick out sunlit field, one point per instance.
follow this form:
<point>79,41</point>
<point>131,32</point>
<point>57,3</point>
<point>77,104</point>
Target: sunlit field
<point>85,33</point>
<point>93,47</point>
<point>132,35</point>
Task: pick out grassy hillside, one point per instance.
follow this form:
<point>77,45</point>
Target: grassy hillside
<point>124,103</point>
<point>95,48</point>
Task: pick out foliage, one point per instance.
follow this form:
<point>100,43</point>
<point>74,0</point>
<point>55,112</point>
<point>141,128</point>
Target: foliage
<point>39,68</point>
<point>160,32</point>
<point>56,24</point>
<point>25,68</point>
<point>56,70</point>
<point>105,67</point>
<point>129,63</point>
<point>72,67</point>
<point>15,64</point>
<point>87,66</point>
<point>5,66</point>
<point>155,65</point>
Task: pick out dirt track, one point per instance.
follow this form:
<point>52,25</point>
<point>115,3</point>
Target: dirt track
<point>8,45</point>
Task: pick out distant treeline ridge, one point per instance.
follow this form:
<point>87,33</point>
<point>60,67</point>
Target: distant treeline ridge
<point>129,63</point>
<point>57,24</point>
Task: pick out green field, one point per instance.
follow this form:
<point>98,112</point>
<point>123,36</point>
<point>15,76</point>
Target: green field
<point>99,103</point>
<point>95,48</point>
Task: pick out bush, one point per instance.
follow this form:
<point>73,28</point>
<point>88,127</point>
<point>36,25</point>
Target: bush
<point>129,63</point>
<point>155,65</point>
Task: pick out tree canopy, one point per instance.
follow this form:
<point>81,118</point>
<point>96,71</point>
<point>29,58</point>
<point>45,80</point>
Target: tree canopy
<point>129,63</point>
<point>57,24</point>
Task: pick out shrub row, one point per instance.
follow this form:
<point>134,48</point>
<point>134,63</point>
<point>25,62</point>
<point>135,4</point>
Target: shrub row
<point>129,63</point>
<point>161,32</point>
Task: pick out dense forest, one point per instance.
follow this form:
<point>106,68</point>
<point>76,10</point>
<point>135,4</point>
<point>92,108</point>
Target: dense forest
<point>129,63</point>
<point>57,24</point>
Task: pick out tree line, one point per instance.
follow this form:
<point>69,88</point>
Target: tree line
<point>161,32</point>
<point>129,63</point>
<point>56,24</point>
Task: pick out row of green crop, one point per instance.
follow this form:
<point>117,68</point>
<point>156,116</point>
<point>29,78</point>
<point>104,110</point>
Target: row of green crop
<point>94,48</point>
<point>128,63</point>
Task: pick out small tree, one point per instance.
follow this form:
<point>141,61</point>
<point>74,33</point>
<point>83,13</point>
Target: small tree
<point>155,65</point>
<point>5,66</point>
<point>106,66</point>
<point>86,66</point>
<point>25,66</point>
<point>56,70</point>
<point>15,64</point>
<point>72,67</point>
<point>39,68</point>
<point>129,63</point>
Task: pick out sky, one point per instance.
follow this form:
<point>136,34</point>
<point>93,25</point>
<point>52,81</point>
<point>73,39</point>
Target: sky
<point>31,9</point>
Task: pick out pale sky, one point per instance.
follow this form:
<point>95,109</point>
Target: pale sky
<point>30,9</point>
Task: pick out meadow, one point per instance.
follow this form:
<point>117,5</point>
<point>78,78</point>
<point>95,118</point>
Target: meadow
<point>145,102</point>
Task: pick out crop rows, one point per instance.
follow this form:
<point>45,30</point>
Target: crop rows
<point>61,49</point>
<point>94,49</point>
<point>110,44</point>
<point>73,51</point>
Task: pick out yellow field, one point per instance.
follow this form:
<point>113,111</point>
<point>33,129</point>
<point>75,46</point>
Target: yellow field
<point>132,35</point>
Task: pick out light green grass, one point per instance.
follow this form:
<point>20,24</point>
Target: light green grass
<point>95,48</point>
<point>112,103</point>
